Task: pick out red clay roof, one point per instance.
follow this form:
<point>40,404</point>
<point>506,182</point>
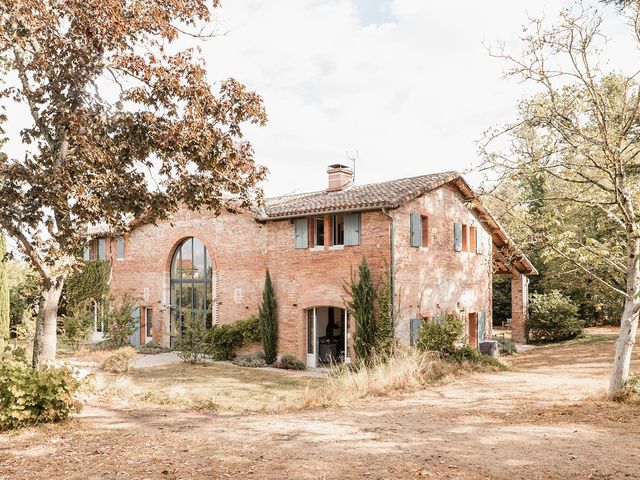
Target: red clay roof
<point>389,194</point>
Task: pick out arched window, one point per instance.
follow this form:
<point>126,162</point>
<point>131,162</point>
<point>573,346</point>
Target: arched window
<point>191,282</point>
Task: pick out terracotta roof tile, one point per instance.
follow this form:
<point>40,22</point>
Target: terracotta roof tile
<point>374,195</point>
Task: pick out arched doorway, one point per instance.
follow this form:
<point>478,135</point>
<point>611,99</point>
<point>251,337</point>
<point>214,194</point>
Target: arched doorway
<point>191,284</point>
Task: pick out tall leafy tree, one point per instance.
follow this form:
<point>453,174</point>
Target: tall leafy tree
<point>123,125</point>
<point>582,133</point>
<point>268,321</point>
<point>4,292</point>
<point>361,307</point>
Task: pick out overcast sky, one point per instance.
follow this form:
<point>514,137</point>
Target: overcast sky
<point>406,83</point>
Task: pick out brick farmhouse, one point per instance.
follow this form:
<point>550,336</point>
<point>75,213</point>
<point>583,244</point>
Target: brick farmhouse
<point>440,244</point>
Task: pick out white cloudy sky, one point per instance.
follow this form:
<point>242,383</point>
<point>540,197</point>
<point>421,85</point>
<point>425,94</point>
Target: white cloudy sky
<point>406,83</point>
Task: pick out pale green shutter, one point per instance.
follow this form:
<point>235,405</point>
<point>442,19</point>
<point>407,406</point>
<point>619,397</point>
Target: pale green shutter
<point>457,237</point>
<point>479,238</point>
<point>119,247</point>
<point>415,325</point>
<point>302,233</point>
<point>352,229</point>
<point>481,326</point>
<point>416,230</point>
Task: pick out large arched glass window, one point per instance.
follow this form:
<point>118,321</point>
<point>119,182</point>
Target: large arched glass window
<point>191,282</point>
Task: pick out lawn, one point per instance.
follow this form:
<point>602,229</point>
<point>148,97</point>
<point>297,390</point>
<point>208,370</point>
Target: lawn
<point>220,387</point>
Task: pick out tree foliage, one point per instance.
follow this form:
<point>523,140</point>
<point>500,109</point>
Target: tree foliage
<point>580,137</point>
<point>384,329</point>
<point>361,306</point>
<point>553,317</point>
<point>4,292</point>
<point>123,126</point>
<point>269,321</point>
<point>90,282</point>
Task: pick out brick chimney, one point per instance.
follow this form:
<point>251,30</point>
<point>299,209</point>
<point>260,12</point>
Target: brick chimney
<point>340,177</point>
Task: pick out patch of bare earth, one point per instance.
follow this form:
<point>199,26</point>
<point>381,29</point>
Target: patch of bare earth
<point>545,418</point>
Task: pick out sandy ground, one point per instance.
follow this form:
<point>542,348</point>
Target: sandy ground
<point>543,419</point>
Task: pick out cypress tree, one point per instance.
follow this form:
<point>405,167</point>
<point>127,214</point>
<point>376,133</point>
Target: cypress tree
<point>361,307</point>
<point>4,292</point>
<point>269,321</point>
<point>384,330</point>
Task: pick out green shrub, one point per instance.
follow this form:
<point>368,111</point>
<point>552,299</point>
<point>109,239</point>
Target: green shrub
<point>289,362</point>
<point>192,341</point>
<point>506,346</point>
<point>120,324</point>
<point>77,328</point>
<point>467,353</point>
<point>440,334</point>
<point>223,340</point>
<point>152,348</point>
<point>252,360</point>
<point>29,397</point>
<point>631,391</point>
<point>249,329</point>
<point>120,360</point>
<point>552,317</point>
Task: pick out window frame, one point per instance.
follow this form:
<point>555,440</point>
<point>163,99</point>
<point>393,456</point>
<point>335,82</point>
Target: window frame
<point>318,232</point>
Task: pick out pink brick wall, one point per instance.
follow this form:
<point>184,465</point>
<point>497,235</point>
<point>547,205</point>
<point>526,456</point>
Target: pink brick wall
<point>437,279</point>
<point>428,280</point>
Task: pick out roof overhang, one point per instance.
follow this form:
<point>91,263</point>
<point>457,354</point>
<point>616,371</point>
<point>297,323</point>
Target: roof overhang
<point>508,257</point>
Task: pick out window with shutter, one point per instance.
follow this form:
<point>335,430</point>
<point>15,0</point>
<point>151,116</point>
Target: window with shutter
<point>479,240</point>
<point>465,238</point>
<point>120,247</point>
<point>425,230</point>
<point>416,230</point>
<point>481,326</point>
<point>102,249</point>
<point>301,233</point>
<point>352,229</point>
<point>318,234</point>
<point>473,237</point>
<point>86,254</point>
<point>457,237</point>
<point>414,329</point>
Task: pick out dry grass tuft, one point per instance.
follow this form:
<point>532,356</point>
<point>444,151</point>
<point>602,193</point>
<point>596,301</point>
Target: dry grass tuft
<point>406,370</point>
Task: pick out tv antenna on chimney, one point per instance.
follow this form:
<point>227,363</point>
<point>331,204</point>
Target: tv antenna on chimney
<point>353,155</point>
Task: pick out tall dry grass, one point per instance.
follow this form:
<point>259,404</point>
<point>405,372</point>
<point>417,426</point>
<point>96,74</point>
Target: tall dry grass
<point>406,370</point>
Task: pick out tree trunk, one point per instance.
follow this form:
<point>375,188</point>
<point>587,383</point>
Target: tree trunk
<point>45,342</point>
<point>629,322</point>
<point>624,346</point>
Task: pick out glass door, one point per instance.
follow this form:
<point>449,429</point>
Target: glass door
<point>312,327</point>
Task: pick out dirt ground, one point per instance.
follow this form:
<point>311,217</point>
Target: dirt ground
<point>543,419</point>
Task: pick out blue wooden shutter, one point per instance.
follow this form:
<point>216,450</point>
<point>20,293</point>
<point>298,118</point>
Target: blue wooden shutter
<point>86,256</point>
<point>352,229</point>
<point>302,233</point>
<point>479,239</point>
<point>481,326</point>
<point>134,338</point>
<point>457,237</point>
<point>416,230</point>
<point>120,247</point>
<point>415,327</point>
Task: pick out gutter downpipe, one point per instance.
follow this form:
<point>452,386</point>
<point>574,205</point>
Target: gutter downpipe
<point>392,273</point>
